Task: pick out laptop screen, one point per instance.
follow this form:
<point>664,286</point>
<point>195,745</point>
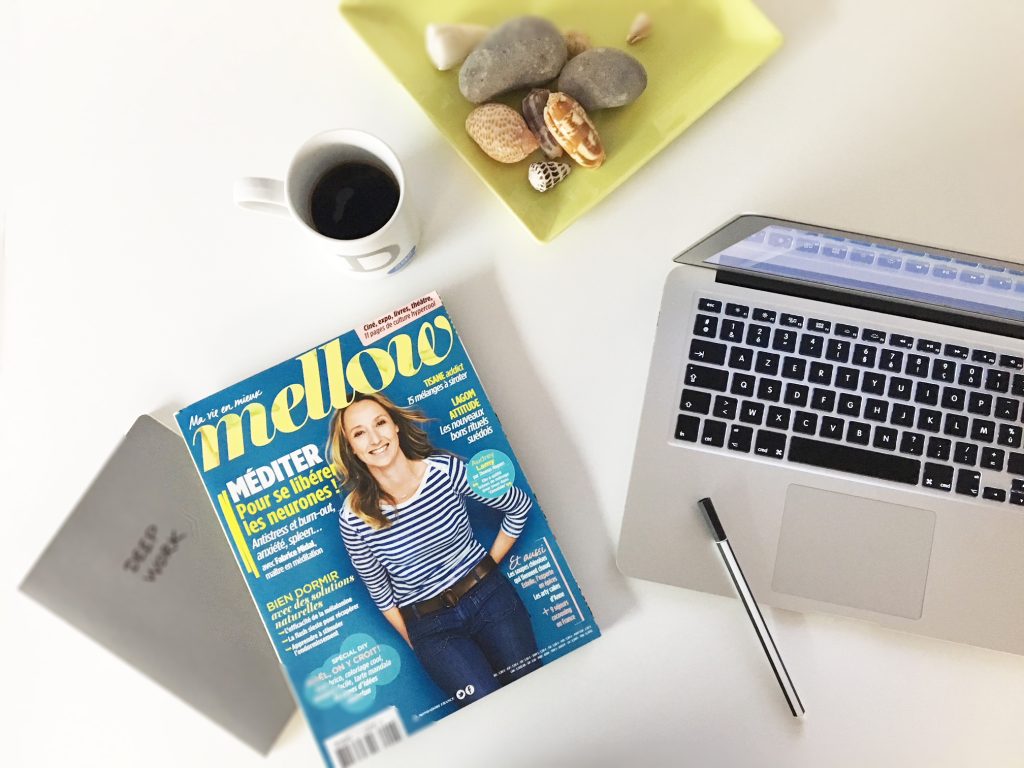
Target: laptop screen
<point>883,269</point>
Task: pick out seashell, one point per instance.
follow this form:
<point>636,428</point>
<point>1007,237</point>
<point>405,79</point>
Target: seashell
<point>533,111</point>
<point>543,176</point>
<point>576,42</point>
<point>501,132</point>
<point>448,45</point>
<point>639,29</point>
<point>569,124</point>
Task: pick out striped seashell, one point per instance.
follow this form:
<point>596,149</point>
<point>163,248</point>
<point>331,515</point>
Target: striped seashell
<point>543,176</point>
<point>569,124</point>
<point>533,111</point>
<point>501,132</point>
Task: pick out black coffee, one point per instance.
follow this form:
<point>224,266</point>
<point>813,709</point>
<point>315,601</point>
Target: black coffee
<point>353,200</point>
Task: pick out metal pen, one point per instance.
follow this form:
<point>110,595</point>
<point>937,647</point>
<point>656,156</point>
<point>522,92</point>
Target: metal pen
<point>753,610</point>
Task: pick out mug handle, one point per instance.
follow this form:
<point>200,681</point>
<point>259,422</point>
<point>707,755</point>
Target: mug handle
<point>262,195</point>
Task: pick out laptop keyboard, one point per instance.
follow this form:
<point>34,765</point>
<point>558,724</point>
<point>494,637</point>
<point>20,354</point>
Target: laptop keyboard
<point>860,400</point>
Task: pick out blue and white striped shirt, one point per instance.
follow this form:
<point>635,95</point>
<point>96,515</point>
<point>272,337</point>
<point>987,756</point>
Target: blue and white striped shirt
<point>430,544</point>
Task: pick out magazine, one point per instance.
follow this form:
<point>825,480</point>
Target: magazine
<point>396,553</point>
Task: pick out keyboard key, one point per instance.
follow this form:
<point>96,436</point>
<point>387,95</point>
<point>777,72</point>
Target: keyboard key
<point>885,438</point>
<point>864,356</point>
<point>984,356</point>
<point>870,334</point>
<point>707,352</point>
<point>1017,498</point>
<point>821,373</point>
<point>903,415</point>
<point>796,394</point>
<point>794,368</point>
<point>939,448</point>
<point>778,418</point>
<point>983,430</point>
<point>1009,435</point>
<point>850,331</point>
<point>706,378</point>
<point>859,461</point>
<point>709,305</point>
<point>1015,464</point>
<point>758,335</point>
<point>968,482</point>
<point>739,438</point>
<point>1017,388</point>
<point>751,412</point>
<point>695,401</point>
<point>847,378</point>
<point>997,381</point>
<point>741,358</point>
<point>956,425</point>
<point>876,410</point>
<point>926,393</point>
<point>732,330</point>
<point>805,422</point>
<point>954,399</point>
<point>742,384</point>
<point>994,494</point>
<point>932,347</point>
<point>1007,408</point>
<point>837,350</point>
<point>737,310</point>
<point>764,315</point>
<point>784,340</point>
<point>891,360</point>
<point>899,388</point>
<point>821,326</point>
<point>705,326</point>
<point>823,400</point>
<point>831,428</point>
<point>912,443</point>
<point>811,345</point>
<point>965,453</point>
<point>955,350</point>
<point>873,383</point>
<point>791,321</point>
<point>767,363</point>
<point>858,432</point>
<point>849,405</point>
<point>944,370</point>
<point>1011,361</point>
<point>937,476</point>
<point>714,433</point>
<point>897,340</point>
<point>687,428</point>
<point>917,365</point>
<point>771,444</point>
<point>979,403</point>
<point>993,458</point>
<point>769,389</point>
<point>725,407</point>
<point>970,375</point>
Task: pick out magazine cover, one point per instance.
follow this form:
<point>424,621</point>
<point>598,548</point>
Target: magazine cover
<point>399,559</point>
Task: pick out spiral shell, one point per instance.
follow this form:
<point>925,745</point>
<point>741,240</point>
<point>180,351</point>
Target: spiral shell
<point>501,132</point>
<point>543,176</point>
<point>569,124</point>
<point>533,112</point>
<point>640,29</point>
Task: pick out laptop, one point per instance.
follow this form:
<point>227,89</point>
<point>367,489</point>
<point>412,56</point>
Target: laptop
<point>854,405</point>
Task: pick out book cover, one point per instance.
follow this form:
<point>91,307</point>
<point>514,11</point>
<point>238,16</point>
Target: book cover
<point>141,566</point>
<point>393,546</point>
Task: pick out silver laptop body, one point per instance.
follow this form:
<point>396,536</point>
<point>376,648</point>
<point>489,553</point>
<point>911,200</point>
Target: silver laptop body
<point>854,407</point>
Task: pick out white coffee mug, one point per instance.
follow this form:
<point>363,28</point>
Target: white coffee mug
<point>380,253</point>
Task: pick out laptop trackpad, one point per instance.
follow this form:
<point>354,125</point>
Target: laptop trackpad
<point>854,551</point>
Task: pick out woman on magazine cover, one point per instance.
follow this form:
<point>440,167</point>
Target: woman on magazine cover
<point>407,531</point>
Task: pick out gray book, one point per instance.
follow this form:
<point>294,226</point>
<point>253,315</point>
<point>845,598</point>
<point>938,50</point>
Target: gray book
<point>142,566</point>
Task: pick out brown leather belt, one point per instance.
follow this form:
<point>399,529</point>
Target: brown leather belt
<point>451,596</point>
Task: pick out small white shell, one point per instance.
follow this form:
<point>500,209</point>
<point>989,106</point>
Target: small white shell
<point>639,29</point>
<point>543,176</point>
<point>448,45</point>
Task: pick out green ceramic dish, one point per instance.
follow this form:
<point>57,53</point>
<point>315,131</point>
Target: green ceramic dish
<point>698,51</point>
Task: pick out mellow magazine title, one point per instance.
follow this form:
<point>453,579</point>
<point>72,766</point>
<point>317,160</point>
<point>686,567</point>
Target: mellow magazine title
<point>389,538</point>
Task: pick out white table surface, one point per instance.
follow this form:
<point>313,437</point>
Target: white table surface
<point>131,284</point>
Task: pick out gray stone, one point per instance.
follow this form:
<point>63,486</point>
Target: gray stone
<point>602,78</point>
<point>522,52</point>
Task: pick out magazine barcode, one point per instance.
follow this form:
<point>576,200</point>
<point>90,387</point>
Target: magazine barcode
<point>366,738</point>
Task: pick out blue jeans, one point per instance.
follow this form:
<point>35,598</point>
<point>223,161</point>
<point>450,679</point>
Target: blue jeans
<point>480,644</point>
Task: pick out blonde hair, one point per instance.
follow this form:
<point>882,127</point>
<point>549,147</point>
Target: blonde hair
<point>365,496</point>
